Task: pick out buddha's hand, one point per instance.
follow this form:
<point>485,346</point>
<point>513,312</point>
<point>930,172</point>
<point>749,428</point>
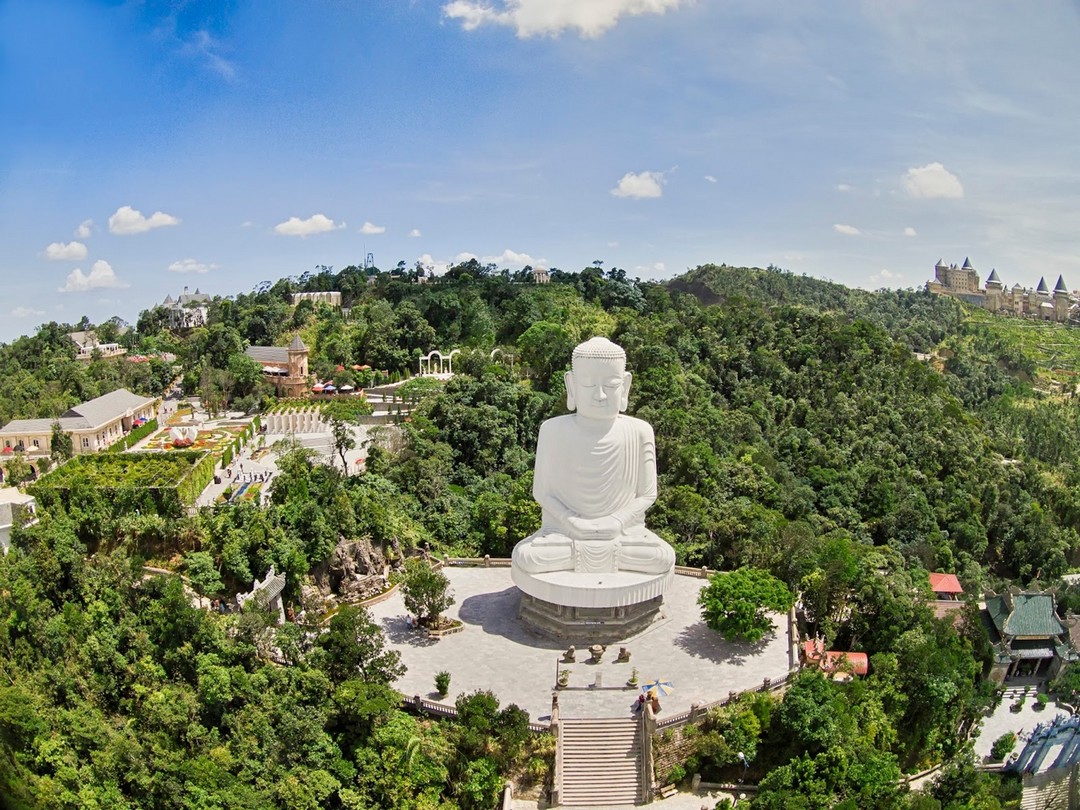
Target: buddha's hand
<point>604,528</point>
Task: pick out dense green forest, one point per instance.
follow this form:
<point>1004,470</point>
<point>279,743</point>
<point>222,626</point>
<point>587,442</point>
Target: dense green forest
<point>797,432</point>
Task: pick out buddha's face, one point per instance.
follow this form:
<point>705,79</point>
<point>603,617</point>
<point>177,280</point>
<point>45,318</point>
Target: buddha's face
<point>596,388</point>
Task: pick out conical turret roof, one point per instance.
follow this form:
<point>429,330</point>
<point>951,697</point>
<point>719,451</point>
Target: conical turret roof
<point>967,264</point>
<point>940,263</point>
<point>993,277</point>
<point>1060,286</point>
<point>1042,286</point>
<point>297,345</point>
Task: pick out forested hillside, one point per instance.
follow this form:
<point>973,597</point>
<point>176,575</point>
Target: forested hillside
<point>797,432</point>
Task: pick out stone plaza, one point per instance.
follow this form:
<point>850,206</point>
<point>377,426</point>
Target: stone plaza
<point>495,652</point>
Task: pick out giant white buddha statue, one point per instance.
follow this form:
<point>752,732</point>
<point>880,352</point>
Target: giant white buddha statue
<point>595,476</point>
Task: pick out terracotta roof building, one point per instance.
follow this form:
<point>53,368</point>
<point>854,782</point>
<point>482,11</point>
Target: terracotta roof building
<point>837,664</point>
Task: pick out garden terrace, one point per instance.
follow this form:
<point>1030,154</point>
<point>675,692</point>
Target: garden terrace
<point>172,480</point>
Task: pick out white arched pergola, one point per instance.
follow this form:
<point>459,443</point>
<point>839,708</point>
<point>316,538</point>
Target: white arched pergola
<point>437,364</point>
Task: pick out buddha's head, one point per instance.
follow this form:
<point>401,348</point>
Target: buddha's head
<point>599,384</point>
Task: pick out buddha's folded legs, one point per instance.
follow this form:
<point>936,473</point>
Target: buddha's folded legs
<point>641,550</point>
<point>544,552</point>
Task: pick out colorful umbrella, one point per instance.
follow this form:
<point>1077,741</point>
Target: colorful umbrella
<point>662,688</point>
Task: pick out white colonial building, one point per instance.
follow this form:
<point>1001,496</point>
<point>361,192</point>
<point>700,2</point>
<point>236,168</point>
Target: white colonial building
<point>187,310</point>
<point>88,345</point>
<point>93,426</point>
<point>330,297</point>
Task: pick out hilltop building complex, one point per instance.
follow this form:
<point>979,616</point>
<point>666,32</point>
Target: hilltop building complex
<point>962,282</point>
<point>187,310</point>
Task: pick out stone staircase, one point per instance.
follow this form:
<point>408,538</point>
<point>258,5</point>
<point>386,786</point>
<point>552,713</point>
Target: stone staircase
<point>601,762</point>
<point>1046,791</point>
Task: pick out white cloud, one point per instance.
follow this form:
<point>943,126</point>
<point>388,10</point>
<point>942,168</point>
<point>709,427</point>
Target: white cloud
<point>843,187</point>
<point>127,221</point>
<point>83,231</point>
<point>70,252</point>
<point>205,47</point>
<point>710,178</point>
<point>640,186</point>
<point>438,267</point>
<point>414,233</point>
<point>191,266</point>
<point>26,312</point>
<point>372,228</point>
<point>885,277</point>
<point>294,226</point>
<point>510,258</point>
<point>247,223</point>
<point>931,181</point>
<point>847,230</point>
<point>910,232</point>
<point>101,275</point>
<point>530,18</point>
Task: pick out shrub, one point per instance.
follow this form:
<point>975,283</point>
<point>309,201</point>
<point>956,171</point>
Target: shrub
<point>1003,746</point>
<point>442,683</point>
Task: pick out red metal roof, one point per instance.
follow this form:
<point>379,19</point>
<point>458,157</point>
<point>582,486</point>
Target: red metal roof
<point>833,661</point>
<point>945,583</point>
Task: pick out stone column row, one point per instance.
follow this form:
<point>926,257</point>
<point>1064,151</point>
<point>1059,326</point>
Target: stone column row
<point>306,420</point>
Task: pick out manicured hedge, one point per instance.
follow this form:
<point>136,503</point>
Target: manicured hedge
<point>172,479</point>
<point>133,438</point>
<point>191,486</point>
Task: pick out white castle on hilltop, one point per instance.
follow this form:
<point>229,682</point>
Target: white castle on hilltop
<point>963,283</point>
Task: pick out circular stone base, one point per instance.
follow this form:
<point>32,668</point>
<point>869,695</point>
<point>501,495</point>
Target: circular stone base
<point>584,626</point>
<point>594,608</point>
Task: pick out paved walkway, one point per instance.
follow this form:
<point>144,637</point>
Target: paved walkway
<point>1003,720</point>
<point>494,652</point>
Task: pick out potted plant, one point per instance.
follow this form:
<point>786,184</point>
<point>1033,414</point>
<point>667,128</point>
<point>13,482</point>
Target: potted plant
<point>633,678</point>
<point>564,678</point>
<point>442,683</point>
<point>1041,700</point>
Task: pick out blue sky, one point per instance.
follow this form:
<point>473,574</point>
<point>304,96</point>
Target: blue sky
<point>145,147</point>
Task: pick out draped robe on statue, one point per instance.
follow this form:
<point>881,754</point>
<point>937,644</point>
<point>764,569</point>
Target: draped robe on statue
<point>591,469</point>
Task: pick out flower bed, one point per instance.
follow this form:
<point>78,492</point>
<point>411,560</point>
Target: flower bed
<point>214,440</point>
<point>251,491</point>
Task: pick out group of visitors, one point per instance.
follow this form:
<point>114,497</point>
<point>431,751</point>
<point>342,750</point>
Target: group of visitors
<point>251,477</point>
<point>649,698</point>
<point>248,477</point>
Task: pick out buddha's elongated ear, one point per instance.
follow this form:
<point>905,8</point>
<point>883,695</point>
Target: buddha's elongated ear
<point>568,381</point>
<point>624,400</point>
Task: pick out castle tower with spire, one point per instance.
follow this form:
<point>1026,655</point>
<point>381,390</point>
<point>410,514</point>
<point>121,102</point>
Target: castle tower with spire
<point>296,382</point>
<point>994,289</point>
<point>1061,301</point>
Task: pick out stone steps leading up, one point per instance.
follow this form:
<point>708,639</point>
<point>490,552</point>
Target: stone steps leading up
<point>600,762</point>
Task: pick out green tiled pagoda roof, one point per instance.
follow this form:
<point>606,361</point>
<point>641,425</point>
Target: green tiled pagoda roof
<point>1031,614</point>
